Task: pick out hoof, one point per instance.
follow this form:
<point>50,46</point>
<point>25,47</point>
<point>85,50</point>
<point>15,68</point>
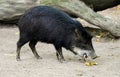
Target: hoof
<point>62,61</point>
<point>38,57</point>
<point>18,59</point>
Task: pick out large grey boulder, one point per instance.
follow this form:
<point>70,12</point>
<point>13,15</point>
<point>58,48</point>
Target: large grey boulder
<point>13,9</point>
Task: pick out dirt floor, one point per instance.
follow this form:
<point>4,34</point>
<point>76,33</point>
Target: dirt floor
<point>29,66</point>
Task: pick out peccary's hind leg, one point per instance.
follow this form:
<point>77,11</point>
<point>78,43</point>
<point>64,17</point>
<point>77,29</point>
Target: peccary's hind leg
<point>32,46</point>
<point>20,43</point>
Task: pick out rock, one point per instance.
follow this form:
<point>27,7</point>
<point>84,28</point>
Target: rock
<point>11,10</point>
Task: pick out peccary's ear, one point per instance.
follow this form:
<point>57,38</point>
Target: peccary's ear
<point>77,32</point>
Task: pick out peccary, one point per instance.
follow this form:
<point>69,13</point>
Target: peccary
<point>50,25</point>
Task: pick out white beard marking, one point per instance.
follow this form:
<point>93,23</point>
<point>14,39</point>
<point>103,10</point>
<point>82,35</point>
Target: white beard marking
<point>80,52</point>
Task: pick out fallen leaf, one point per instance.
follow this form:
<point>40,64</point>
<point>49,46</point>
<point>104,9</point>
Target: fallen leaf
<point>90,63</point>
<point>98,38</point>
<point>94,63</point>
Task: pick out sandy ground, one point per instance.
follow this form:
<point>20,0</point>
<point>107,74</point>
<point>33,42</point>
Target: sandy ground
<point>29,66</point>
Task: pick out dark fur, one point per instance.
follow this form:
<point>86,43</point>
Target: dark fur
<point>49,25</point>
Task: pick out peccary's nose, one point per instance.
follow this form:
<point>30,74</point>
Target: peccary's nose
<point>94,56</point>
